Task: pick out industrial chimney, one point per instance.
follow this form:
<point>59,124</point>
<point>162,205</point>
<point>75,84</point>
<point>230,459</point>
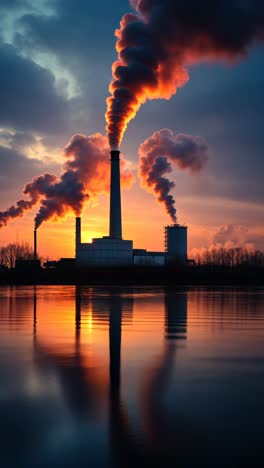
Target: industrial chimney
<point>115,197</point>
<point>35,245</point>
<point>78,238</point>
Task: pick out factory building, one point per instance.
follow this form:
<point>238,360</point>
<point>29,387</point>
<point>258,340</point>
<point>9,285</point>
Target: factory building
<point>113,250</point>
<point>143,257</point>
<point>105,251</point>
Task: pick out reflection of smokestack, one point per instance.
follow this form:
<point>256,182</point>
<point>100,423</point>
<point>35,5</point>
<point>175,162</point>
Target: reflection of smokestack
<point>115,326</point>
<point>176,316</point>
<point>78,316</point>
<point>115,197</point>
<point>35,245</point>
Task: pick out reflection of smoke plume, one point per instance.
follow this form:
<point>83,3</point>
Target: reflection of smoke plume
<point>162,38</point>
<point>86,174</point>
<point>160,152</point>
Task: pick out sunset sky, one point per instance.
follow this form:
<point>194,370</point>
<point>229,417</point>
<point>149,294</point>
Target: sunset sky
<point>55,60</point>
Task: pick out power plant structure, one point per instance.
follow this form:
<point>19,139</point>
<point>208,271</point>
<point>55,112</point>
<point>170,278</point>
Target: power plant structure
<point>113,250</point>
<point>176,243</point>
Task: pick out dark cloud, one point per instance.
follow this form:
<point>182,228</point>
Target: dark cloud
<point>17,140</point>
<point>76,30</point>
<point>10,4</point>
<point>80,34</point>
<point>28,97</point>
<point>16,168</point>
<point>158,43</point>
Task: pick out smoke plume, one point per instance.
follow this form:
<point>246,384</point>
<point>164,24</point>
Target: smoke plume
<point>160,153</point>
<point>86,174</point>
<point>158,43</point>
<point>15,211</point>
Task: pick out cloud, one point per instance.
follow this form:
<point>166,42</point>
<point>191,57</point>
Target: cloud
<point>10,4</point>
<point>232,235</point>
<point>72,28</point>
<point>16,168</point>
<point>75,41</point>
<point>28,96</point>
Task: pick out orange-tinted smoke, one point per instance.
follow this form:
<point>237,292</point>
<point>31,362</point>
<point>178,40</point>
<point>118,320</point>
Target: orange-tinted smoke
<point>158,42</point>
<point>86,174</point>
<point>163,152</point>
<point>136,79</point>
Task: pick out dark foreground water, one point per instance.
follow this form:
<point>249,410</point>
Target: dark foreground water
<point>131,377</point>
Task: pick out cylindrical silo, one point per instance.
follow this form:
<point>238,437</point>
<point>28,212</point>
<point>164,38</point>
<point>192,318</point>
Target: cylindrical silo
<point>176,243</point>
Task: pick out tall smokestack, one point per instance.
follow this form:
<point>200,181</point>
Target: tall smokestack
<point>78,228</point>
<point>115,197</point>
<point>35,245</point>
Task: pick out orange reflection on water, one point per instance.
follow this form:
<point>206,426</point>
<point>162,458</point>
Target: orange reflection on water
<point>148,365</point>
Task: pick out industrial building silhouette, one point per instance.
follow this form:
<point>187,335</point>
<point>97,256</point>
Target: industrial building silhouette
<point>113,250</point>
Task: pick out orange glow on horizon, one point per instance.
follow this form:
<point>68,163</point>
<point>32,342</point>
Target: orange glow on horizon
<point>143,222</point>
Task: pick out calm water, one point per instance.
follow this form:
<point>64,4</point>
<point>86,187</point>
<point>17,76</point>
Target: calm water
<point>128,377</point>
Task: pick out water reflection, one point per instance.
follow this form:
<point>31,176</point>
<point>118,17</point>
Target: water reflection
<point>163,439</point>
<point>119,378</point>
<point>168,437</point>
<point>79,383</point>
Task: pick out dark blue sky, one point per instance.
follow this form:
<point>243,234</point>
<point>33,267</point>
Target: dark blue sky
<point>55,62</point>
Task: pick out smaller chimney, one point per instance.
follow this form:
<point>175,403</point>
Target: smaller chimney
<point>35,245</point>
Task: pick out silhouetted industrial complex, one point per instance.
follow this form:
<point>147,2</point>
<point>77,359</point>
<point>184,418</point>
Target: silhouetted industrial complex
<point>113,250</point>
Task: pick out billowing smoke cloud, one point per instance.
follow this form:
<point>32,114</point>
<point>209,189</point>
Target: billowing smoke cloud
<point>162,38</point>
<point>86,174</point>
<point>160,153</point>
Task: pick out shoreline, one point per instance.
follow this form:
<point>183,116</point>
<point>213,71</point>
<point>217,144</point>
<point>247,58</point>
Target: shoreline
<point>143,276</point>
